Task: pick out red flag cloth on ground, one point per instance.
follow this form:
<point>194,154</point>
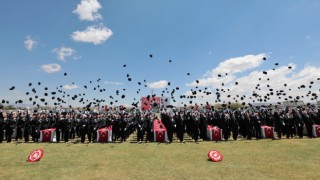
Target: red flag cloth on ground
<point>160,131</point>
<point>35,155</point>
<point>267,132</point>
<point>214,133</point>
<point>104,134</point>
<point>316,130</point>
<point>215,156</point>
<point>47,135</point>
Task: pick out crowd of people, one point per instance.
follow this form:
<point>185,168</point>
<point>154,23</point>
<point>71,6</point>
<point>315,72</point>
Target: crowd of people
<point>25,126</point>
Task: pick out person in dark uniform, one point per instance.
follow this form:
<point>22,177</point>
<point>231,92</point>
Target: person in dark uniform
<point>58,125</point>
<point>83,127</point>
<point>26,127</point>
<point>34,127</point>
<point>19,125</point>
<point>257,125</point>
<point>64,118</point>
<point>9,126</point>
<point>1,126</point>
<point>140,128</point>
<point>278,123</point>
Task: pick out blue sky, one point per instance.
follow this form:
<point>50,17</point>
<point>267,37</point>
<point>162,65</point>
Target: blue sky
<point>92,39</point>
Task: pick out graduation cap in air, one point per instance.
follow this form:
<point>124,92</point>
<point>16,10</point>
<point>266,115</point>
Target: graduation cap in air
<point>65,74</point>
<point>276,64</point>
<point>188,74</point>
<point>12,88</point>
<point>30,84</point>
<point>170,61</point>
<point>264,58</point>
<point>124,65</point>
<point>150,55</point>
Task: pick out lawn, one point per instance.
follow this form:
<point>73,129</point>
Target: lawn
<point>243,159</point>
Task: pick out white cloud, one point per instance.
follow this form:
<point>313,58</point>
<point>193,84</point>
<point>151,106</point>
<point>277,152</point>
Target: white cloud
<point>264,82</point>
<point>88,10</point>
<point>29,43</point>
<point>158,85</point>
<point>113,82</point>
<point>92,34</point>
<point>70,87</point>
<point>230,67</point>
<point>64,52</point>
<point>51,68</point>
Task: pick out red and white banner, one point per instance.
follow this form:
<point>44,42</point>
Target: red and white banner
<point>215,156</point>
<point>267,132</point>
<point>47,135</point>
<point>104,134</point>
<point>214,133</point>
<point>316,130</point>
<point>35,155</point>
<point>159,131</point>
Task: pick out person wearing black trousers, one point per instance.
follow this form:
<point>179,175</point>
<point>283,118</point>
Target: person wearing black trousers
<point>9,125</point>
<point>1,126</point>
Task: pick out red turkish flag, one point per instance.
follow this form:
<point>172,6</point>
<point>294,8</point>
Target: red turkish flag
<point>104,134</point>
<point>267,132</point>
<point>35,155</point>
<point>215,156</point>
<point>47,135</point>
<point>316,130</point>
<point>214,133</point>
<point>159,131</point>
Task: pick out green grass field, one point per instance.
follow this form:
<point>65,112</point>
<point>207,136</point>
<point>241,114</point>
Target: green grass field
<point>243,159</point>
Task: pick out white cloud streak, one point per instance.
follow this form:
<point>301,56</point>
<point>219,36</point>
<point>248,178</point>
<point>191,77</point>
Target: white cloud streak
<point>70,87</point>
<point>64,52</point>
<point>87,10</point>
<point>50,68</point>
<point>113,83</point>
<point>158,85</point>
<point>30,43</point>
<point>92,34</point>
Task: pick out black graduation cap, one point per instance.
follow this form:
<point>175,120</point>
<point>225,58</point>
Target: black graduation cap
<point>219,75</point>
<point>236,83</point>
<point>276,64</point>
<point>264,58</point>
<point>39,83</point>
<point>85,86</point>
<point>197,81</point>
<point>150,55</point>
<point>124,65</point>
<point>27,93</point>
<point>170,60</point>
<point>265,72</point>
<point>129,79</point>
<point>289,67</point>
<point>139,83</point>
<point>30,84</point>
<point>65,74</point>
<point>12,88</point>
<point>188,74</point>
<point>45,94</point>
<point>46,88</point>
<point>169,83</point>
